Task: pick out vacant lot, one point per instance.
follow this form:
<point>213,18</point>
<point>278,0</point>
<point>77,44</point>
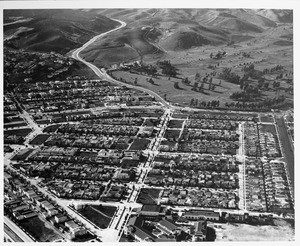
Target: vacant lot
<point>40,230</point>
<point>22,155</point>
<point>175,123</point>
<point>180,116</point>
<point>172,134</point>
<point>268,128</point>
<point>39,139</point>
<point>52,128</point>
<point>148,196</point>
<point>12,125</point>
<point>244,232</point>
<point>99,215</point>
<point>19,132</point>
<point>266,118</point>
<point>139,144</point>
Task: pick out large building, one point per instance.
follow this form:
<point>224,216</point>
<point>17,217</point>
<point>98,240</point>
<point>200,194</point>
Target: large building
<point>153,210</point>
<point>202,215</point>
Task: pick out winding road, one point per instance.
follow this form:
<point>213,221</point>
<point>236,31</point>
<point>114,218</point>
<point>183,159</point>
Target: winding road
<point>101,73</point>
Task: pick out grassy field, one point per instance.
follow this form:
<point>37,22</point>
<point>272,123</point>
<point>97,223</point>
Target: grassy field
<point>162,85</point>
<point>148,196</point>
<point>22,155</point>
<point>266,118</point>
<point>269,128</point>
<point>39,139</point>
<point>40,230</point>
<point>139,144</point>
<point>51,128</point>
<point>99,215</point>
<point>169,134</point>
<point>19,132</point>
<point>17,124</point>
<point>263,54</point>
<point>175,123</point>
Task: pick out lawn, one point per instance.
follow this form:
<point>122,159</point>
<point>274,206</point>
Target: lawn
<point>19,132</point>
<point>139,144</point>
<point>98,214</point>
<point>148,196</point>
<point>39,139</point>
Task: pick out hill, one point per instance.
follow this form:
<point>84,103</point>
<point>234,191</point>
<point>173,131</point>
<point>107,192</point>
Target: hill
<point>154,32</point>
<point>52,30</point>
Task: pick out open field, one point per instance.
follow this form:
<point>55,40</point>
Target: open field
<point>39,139</point>
<point>249,39</point>
<point>19,132</point>
<point>162,85</point>
<point>51,128</point>
<point>139,144</point>
<point>268,128</point>
<point>148,196</point>
<point>244,232</point>
<point>266,118</point>
<point>40,230</point>
<point>175,123</point>
<point>99,215</point>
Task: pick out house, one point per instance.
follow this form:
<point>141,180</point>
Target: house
<point>202,215</point>
<point>59,218</point>
<point>75,229</point>
<point>52,212</point>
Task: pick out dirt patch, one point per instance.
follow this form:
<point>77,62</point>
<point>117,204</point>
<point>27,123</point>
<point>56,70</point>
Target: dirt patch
<point>244,232</point>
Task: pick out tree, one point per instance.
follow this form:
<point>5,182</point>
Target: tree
<point>261,82</point>
<point>192,102</point>
<point>195,86</point>
<point>176,86</point>
<point>151,81</point>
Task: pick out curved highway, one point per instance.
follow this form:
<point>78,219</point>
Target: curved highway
<point>101,73</point>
